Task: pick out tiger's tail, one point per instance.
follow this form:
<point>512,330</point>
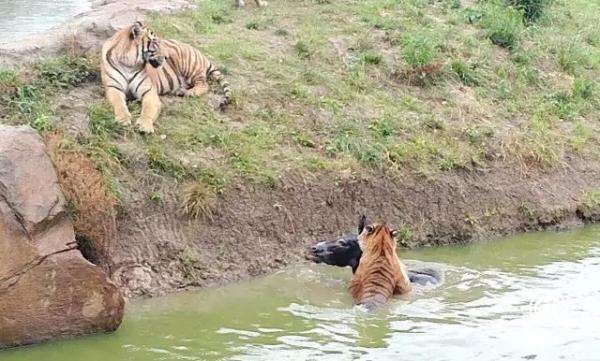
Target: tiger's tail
<point>214,74</point>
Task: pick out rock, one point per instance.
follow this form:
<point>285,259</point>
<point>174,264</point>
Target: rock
<point>47,289</point>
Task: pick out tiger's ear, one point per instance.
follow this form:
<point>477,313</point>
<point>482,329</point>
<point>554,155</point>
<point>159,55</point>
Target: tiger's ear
<point>362,222</point>
<point>136,29</point>
<point>393,233</point>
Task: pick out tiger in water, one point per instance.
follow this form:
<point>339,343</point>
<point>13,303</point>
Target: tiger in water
<point>380,274</point>
<point>136,64</point>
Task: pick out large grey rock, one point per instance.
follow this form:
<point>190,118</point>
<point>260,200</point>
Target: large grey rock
<point>47,289</point>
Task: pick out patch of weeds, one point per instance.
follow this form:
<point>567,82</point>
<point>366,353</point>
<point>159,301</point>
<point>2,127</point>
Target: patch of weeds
<point>253,25</point>
<point>189,260</point>
<point>303,50</point>
<point>503,24</point>
<point>418,51</point>
<point>382,127</point>
<point>29,102</point>
<point>465,72</point>
<point>470,219</point>
<point>477,134</point>
<point>370,57</point>
<point>434,123</point>
<point>579,140</point>
<point>315,163</point>
<point>9,81</point>
<point>563,105</point>
<point>589,207</point>
<point>155,197</point>
<point>583,88</point>
<point>450,161</point>
<point>282,32</point>
<point>532,9</point>
<point>527,210</point>
<point>160,162</point>
<point>303,139</point>
<point>199,200</point>
<point>102,120</point>
<point>382,22</point>
<point>331,105</point>
<point>570,56</point>
<point>66,71</point>
<point>404,235</point>
<point>220,16</point>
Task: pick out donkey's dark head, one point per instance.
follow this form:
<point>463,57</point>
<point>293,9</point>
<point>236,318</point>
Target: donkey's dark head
<point>341,252</point>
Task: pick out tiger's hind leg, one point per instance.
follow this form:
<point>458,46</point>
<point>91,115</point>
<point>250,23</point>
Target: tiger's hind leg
<point>200,87</point>
<point>119,103</point>
<point>150,110</point>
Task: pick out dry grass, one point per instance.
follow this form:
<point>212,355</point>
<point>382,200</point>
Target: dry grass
<point>93,207</point>
<point>199,200</point>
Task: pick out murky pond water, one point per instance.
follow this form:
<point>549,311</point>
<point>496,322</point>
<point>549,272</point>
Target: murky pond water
<point>20,19</point>
<point>533,296</point>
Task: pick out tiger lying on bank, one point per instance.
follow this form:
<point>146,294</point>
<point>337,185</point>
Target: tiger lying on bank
<point>138,65</point>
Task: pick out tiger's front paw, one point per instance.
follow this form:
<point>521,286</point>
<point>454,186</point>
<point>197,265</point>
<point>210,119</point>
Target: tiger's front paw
<point>144,126</point>
<point>124,119</point>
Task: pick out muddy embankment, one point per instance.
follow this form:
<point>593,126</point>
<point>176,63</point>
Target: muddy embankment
<point>256,230</point>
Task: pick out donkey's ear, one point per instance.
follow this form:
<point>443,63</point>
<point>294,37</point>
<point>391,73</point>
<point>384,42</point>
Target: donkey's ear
<point>136,29</point>
<point>362,222</point>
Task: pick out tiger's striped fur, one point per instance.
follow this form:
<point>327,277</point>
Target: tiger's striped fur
<point>138,65</point>
<point>380,274</point>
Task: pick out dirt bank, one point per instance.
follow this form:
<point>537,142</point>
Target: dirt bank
<point>255,230</point>
<point>86,31</point>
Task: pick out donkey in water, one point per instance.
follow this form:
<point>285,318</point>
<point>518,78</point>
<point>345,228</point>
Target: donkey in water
<point>346,252</point>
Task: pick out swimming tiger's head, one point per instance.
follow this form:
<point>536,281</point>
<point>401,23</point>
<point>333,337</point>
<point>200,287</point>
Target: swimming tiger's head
<point>374,234</point>
<point>148,43</point>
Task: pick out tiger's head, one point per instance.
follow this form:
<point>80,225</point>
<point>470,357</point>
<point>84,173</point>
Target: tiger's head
<point>148,44</point>
<point>372,235</point>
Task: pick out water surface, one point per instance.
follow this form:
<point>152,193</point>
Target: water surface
<point>532,296</point>
<point>20,19</point>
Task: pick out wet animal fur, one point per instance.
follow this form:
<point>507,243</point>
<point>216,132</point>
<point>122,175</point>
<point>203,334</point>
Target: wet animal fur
<point>380,274</point>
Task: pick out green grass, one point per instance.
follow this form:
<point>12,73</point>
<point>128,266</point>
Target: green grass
<point>402,86</point>
<point>590,204</point>
<point>503,24</point>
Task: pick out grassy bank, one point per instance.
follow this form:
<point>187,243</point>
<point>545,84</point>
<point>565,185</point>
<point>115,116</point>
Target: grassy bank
<point>427,88</point>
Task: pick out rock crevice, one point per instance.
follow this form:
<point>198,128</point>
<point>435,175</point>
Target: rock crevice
<point>47,289</point>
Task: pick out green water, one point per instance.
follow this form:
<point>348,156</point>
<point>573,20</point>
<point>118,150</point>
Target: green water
<point>531,296</point>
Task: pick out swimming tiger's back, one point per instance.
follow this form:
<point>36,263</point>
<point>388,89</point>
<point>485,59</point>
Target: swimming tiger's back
<point>380,274</point>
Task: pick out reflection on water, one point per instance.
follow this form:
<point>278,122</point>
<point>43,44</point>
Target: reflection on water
<point>23,18</point>
<point>531,296</point>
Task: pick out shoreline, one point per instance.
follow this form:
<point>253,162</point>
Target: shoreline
<point>85,31</point>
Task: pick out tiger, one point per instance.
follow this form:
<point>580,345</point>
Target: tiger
<point>136,64</point>
<point>380,274</point>
<point>241,3</point>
